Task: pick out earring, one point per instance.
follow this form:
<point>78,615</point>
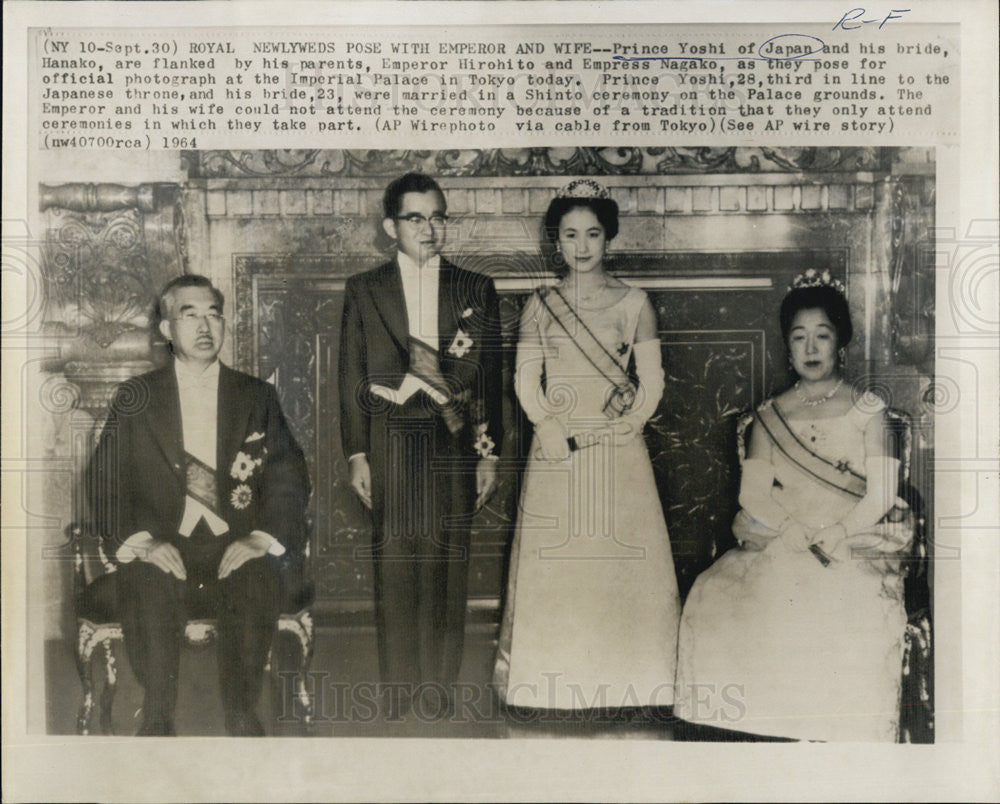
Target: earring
<point>841,355</point>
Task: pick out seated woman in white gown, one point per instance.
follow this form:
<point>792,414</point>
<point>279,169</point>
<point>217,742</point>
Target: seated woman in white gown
<point>592,604</point>
<point>799,632</point>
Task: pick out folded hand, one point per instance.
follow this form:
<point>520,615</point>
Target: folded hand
<point>486,481</point>
<point>164,556</point>
<point>241,551</point>
<point>552,443</point>
<point>626,428</point>
<point>830,539</point>
<point>360,474</point>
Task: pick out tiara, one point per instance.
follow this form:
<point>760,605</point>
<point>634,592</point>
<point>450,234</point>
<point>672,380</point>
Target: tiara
<point>817,279</point>
<point>583,188</point>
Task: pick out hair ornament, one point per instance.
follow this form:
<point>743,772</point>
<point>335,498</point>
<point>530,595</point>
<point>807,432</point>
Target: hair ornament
<point>817,279</point>
<point>584,188</point>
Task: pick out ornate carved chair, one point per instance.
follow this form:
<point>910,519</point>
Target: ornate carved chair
<point>98,628</point>
<point>916,718</point>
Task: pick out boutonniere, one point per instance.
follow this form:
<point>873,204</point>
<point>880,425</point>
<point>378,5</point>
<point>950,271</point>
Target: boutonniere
<point>243,466</point>
<point>461,344</point>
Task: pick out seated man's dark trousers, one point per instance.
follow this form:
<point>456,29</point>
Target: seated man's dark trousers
<point>155,606</point>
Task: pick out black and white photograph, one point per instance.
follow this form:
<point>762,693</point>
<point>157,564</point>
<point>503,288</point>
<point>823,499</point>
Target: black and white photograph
<point>520,495</point>
<point>659,438</point>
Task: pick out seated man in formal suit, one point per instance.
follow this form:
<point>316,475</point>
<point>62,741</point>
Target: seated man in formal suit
<point>420,399</point>
<point>198,489</point>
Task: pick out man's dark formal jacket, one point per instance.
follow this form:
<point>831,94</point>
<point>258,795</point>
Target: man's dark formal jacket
<point>137,478</point>
<point>374,349</point>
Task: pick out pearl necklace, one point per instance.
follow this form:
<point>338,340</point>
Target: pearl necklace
<point>811,403</point>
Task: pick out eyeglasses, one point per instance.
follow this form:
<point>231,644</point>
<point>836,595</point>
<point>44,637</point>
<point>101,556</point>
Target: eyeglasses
<point>418,220</point>
<point>191,317</point>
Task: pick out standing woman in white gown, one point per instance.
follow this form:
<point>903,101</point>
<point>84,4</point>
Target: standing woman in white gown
<point>592,604</point>
<point>799,631</point>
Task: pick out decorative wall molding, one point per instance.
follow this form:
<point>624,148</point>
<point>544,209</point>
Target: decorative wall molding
<point>98,197</point>
<point>840,194</point>
<point>492,162</point>
<point>108,250</point>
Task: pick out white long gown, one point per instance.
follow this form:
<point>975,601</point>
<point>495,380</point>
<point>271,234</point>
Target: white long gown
<point>774,643</point>
<point>592,604</point>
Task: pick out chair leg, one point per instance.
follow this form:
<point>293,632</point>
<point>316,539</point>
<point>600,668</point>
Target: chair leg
<point>301,688</point>
<point>301,627</point>
<point>916,719</point>
<point>83,655</point>
<point>110,687</point>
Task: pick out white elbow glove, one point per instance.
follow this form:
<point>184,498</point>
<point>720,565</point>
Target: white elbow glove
<point>528,384</point>
<point>755,495</point>
<point>880,494</point>
<point>649,370</point>
<point>550,432</point>
<point>857,531</point>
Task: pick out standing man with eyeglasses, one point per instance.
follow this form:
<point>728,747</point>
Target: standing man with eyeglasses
<point>420,422</point>
<point>198,489</point>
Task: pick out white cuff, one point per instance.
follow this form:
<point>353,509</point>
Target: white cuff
<point>275,548</point>
<point>134,546</point>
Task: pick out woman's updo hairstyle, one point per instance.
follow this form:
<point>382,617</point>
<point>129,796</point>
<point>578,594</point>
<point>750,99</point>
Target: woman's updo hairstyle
<point>585,194</point>
<point>813,290</point>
